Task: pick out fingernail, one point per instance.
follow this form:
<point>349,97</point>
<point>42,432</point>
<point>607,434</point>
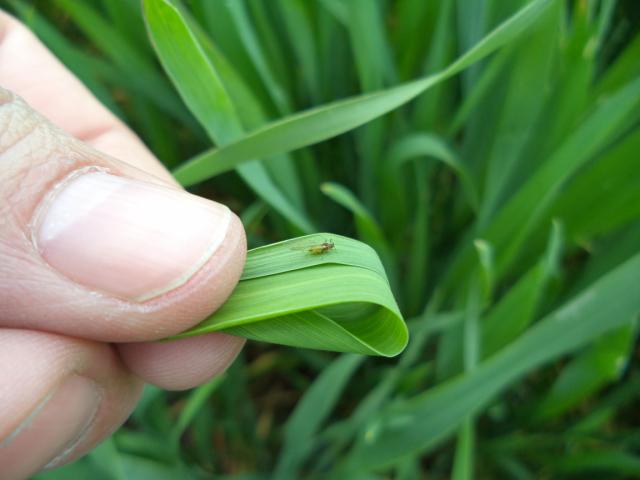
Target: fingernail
<point>130,239</point>
<point>54,428</point>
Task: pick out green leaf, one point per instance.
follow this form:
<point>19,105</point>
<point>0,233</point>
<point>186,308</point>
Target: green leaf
<point>298,27</point>
<point>368,35</point>
<point>625,68</point>
<point>592,206</point>
<point>107,457</point>
<point>516,221</point>
<point>233,33</point>
<point>368,228</point>
<point>240,15</point>
<point>189,68</point>
<point>463,467</point>
<point>517,308</point>
<point>312,126</point>
<point>311,411</point>
<point>427,419</point>
<point>594,368</point>
<point>128,56</point>
<point>428,145</point>
<point>480,138</point>
<point>194,403</point>
<point>605,463</point>
<point>530,68</point>
<point>431,110</point>
<point>336,300</point>
<point>200,86</point>
<point>480,90</point>
<point>419,251</point>
<point>523,213</point>
<point>620,396</point>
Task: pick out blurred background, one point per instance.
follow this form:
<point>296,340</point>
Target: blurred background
<point>494,198</point>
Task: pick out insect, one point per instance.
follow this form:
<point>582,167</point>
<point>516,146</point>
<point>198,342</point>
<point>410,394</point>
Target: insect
<point>317,249</point>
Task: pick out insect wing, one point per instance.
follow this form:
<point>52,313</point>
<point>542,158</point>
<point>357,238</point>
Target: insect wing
<point>314,248</point>
<point>302,247</point>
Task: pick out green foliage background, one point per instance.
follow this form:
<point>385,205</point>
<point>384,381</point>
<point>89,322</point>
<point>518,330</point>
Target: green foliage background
<point>504,202</point>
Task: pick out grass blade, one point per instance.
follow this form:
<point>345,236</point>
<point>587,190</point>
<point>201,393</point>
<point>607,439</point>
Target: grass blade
<point>240,15</point>
<point>463,461</point>
<point>300,32</point>
<point>195,402</point>
<point>530,68</point>
<point>311,412</point>
<point>201,88</point>
<point>517,308</point>
<point>424,421</point>
<point>432,146</point>
<point>600,364</point>
<point>147,81</point>
<point>519,218</point>
<point>368,228</point>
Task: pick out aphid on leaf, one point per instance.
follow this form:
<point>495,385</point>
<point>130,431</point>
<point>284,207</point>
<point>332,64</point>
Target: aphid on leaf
<point>317,249</point>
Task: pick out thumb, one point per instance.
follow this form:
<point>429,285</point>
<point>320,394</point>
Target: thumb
<point>120,254</point>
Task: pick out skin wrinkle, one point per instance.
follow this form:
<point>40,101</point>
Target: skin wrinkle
<point>94,136</point>
<point>28,420</point>
<point>5,95</point>
<point>20,178</point>
<point>14,118</point>
<point>51,157</point>
<point>58,356</point>
<point>7,128</point>
<point>68,450</point>
<point>22,174</point>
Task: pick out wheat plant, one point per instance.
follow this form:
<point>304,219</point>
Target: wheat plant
<point>489,154</point>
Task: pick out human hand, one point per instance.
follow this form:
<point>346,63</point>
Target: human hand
<point>98,258</point>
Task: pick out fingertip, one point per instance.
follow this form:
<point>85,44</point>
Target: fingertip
<point>181,364</point>
<point>205,292</point>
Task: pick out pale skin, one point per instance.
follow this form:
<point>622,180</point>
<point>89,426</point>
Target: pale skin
<point>74,359</point>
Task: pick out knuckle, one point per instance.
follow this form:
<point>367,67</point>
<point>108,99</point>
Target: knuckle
<point>5,96</point>
<point>28,152</point>
<point>17,123</point>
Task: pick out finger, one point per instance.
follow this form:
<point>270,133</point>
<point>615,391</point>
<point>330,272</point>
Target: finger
<point>31,71</point>
<point>181,364</point>
<point>59,397</point>
<point>92,247</point>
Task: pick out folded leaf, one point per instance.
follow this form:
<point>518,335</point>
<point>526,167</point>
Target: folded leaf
<point>302,294</point>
